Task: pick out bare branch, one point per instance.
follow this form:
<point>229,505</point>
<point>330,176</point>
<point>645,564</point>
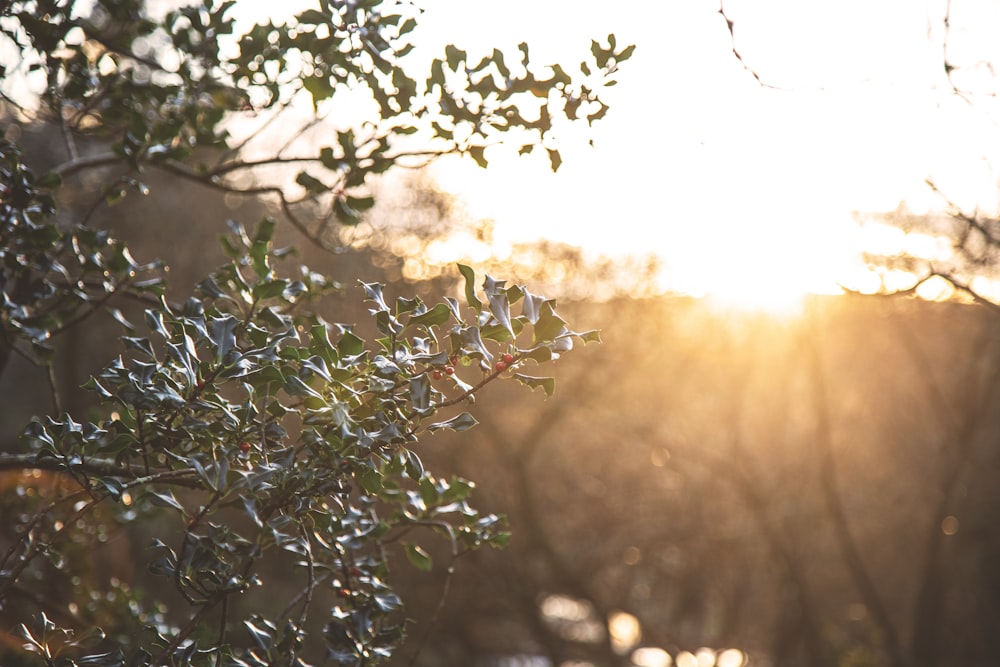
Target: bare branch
<point>730,26</point>
<point>828,482</point>
<point>445,588</point>
<point>81,163</point>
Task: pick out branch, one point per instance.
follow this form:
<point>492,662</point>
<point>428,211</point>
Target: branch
<point>99,467</point>
<point>964,288</point>
<point>50,373</point>
<point>282,107</point>
<point>275,191</point>
<point>950,68</point>
<point>730,24</point>
<point>973,222</point>
<point>445,588</point>
<point>183,634</point>
<point>569,571</point>
<point>310,587</point>
<point>107,296</point>
<point>928,607</point>
<point>747,481</point>
<point>469,392</point>
<point>828,482</point>
<point>947,276</point>
<point>77,164</point>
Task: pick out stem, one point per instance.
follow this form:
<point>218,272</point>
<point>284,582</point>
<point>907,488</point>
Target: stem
<point>222,632</point>
<point>97,467</point>
<point>445,588</point>
<point>482,383</point>
<point>828,483</point>
<point>50,373</point>
<point>183,634</point>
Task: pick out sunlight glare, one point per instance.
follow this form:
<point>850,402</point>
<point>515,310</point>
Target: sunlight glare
<point>731,657</point>
<point>624,630</point>
<point>757,269</point>
<point>705,657</point>
<point>649,656</point>
<point>686,659</point>
<point>935,289</point>
<point>771,297</point>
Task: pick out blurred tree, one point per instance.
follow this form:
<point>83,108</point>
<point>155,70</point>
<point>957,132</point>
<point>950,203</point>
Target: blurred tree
<point>918,610</point>
<point>261,438</point>
<point>810,491</point>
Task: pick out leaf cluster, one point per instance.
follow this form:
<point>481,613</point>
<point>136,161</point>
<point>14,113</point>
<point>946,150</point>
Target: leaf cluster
<point>253,436</point>
<point>268,435</point>
<point>164,89</point>
<point>54,276</point>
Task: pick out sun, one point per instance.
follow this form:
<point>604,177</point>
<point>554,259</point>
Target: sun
<point>744,290</point>
<point>775,299</point>
<point>767,267</point>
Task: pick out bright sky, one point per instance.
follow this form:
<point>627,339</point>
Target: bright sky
<point>740,188</point>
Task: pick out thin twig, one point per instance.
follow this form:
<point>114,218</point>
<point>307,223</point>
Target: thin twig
<point>445,588</point>
<point>54,388</point>
<point>310,587</point>
<point>730,26</point>
<point>283,106</point>
<point>183,634</point>
<point>828,483</point>
<point>80,163</point>
<point>68,140</point>
<point>222,633</point>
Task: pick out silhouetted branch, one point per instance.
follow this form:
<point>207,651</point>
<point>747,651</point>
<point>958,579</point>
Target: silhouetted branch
<point>950,67</point>
<point>449,574</point>
<point>963,287</point>
<point>828,482</point>
<point>928,607</point>
<point>730,26</point>
<point>179,638</point>
<point>972,222</point>
<point>99,467</point>
<point>565,570</point>
<point>748,486</point>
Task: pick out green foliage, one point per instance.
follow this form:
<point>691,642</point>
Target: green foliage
<point>235,406</point>
<point>53,276</point>
<point>251,434</point>
<point>161,88</point>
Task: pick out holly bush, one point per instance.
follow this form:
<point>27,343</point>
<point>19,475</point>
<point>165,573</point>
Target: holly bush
<point>269,459</point>
<point>272,437</point>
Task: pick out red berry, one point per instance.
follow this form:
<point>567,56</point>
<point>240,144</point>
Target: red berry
<point>501,366</point>
<point>450,370</point>
<point>436,374</point>
<point>245,447</point>
<point>356,572</point>
<point>508,358</point>
<point>453,360</point>
<point>344,592</point>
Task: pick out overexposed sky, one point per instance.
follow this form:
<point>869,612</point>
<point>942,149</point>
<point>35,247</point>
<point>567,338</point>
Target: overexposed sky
<point>738,187</point>
<point>732,183</point>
